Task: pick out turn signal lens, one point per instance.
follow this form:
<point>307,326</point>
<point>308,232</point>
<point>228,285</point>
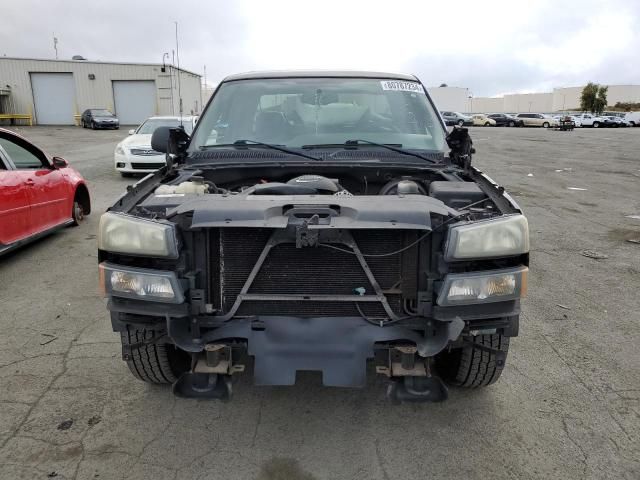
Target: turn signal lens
<point>483,287</point>
<point>141,284</point>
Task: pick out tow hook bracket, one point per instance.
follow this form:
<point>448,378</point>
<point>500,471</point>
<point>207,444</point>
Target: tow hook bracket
<point>218,358</point>
<point>203,385</point>
<point>417,390</point>
<point>210,376</point>
<point>402,362</point>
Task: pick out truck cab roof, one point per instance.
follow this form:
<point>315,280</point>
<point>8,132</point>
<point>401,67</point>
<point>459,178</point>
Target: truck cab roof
<point>318,74</point>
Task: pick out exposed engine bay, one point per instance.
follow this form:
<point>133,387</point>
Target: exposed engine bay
<point>456,195</point>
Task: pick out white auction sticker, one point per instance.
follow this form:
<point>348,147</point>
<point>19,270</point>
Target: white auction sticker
<point>400,86</point>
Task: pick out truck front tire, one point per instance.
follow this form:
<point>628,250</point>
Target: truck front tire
<point>473,367</point>
<point>150,359</point>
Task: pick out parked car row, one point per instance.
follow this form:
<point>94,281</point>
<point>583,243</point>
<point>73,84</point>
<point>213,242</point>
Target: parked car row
<point>499,119</point>
<point>505,120</point>
<point>456,118</point>
<point>544,120</point>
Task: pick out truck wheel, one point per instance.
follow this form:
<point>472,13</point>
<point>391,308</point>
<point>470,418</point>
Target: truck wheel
<point>460,123</point>
<point>153,362</point>
<point>472,367</point>
<point>512,123</point>
<point>545,125</point>
<point>596,124</point>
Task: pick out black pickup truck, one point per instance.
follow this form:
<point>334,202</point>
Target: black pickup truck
<point>316,221</point>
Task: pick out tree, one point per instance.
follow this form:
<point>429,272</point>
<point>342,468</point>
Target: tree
<point>627,106</point>
<point>443,84</point>
<point>594,98</point>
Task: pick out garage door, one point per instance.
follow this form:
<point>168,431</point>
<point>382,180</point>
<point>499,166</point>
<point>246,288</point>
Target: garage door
<point>135,100</point>
<point>54,98</point>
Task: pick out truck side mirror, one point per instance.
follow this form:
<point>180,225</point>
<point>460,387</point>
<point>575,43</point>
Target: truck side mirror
<point>170,140</point>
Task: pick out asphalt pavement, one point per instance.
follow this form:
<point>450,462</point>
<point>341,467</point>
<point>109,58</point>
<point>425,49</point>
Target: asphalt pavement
<point>567,405</point>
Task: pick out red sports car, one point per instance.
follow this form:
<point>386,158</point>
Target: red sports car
<point>38,193</point>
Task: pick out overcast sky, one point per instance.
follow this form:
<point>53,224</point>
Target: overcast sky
<point>490,47</point>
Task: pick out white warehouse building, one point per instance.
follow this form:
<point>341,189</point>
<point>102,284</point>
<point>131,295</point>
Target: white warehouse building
<point>55,92</point>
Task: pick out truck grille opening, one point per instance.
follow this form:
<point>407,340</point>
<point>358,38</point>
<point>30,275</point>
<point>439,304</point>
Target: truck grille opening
<point>233,252</point>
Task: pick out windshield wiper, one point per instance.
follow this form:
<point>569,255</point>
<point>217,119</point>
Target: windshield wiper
<point>357,143</point>
<point>249,143</point>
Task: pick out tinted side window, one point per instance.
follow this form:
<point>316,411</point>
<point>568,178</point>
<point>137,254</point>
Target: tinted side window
<point>20,156</point>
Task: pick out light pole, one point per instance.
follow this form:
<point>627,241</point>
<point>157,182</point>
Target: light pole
<point>530,102</point>
<point>164,68</point>
<point>179,73</point>
<point>470,97</point>
<point>205,87</point>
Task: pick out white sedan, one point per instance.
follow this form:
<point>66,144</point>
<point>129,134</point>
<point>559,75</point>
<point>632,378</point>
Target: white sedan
<point>135,155</point>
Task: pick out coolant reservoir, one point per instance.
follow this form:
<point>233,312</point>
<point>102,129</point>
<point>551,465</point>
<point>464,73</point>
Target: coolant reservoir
<point>194,188</point>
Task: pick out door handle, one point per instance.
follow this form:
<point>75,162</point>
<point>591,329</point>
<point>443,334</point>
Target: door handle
<point>30,182</point>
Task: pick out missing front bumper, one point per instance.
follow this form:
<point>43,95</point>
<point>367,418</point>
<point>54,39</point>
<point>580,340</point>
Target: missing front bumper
<point>337,347</point>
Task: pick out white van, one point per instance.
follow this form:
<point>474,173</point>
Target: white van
<point>633,118</point>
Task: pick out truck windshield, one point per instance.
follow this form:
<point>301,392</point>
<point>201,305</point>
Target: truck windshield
<point>296,112</point>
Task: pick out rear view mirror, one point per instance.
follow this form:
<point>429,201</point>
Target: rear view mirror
<point>59,162</point>
<point>131,132</point>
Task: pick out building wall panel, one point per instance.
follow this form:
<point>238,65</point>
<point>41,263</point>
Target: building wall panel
<point>486,105</point>
<point>452,99</point>
<point>93,84</point>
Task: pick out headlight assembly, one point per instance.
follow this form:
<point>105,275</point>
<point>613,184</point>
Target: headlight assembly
<point>483,287</point>
<point>136,236</point>
<point>120,150</point>
<point>501,237</point>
